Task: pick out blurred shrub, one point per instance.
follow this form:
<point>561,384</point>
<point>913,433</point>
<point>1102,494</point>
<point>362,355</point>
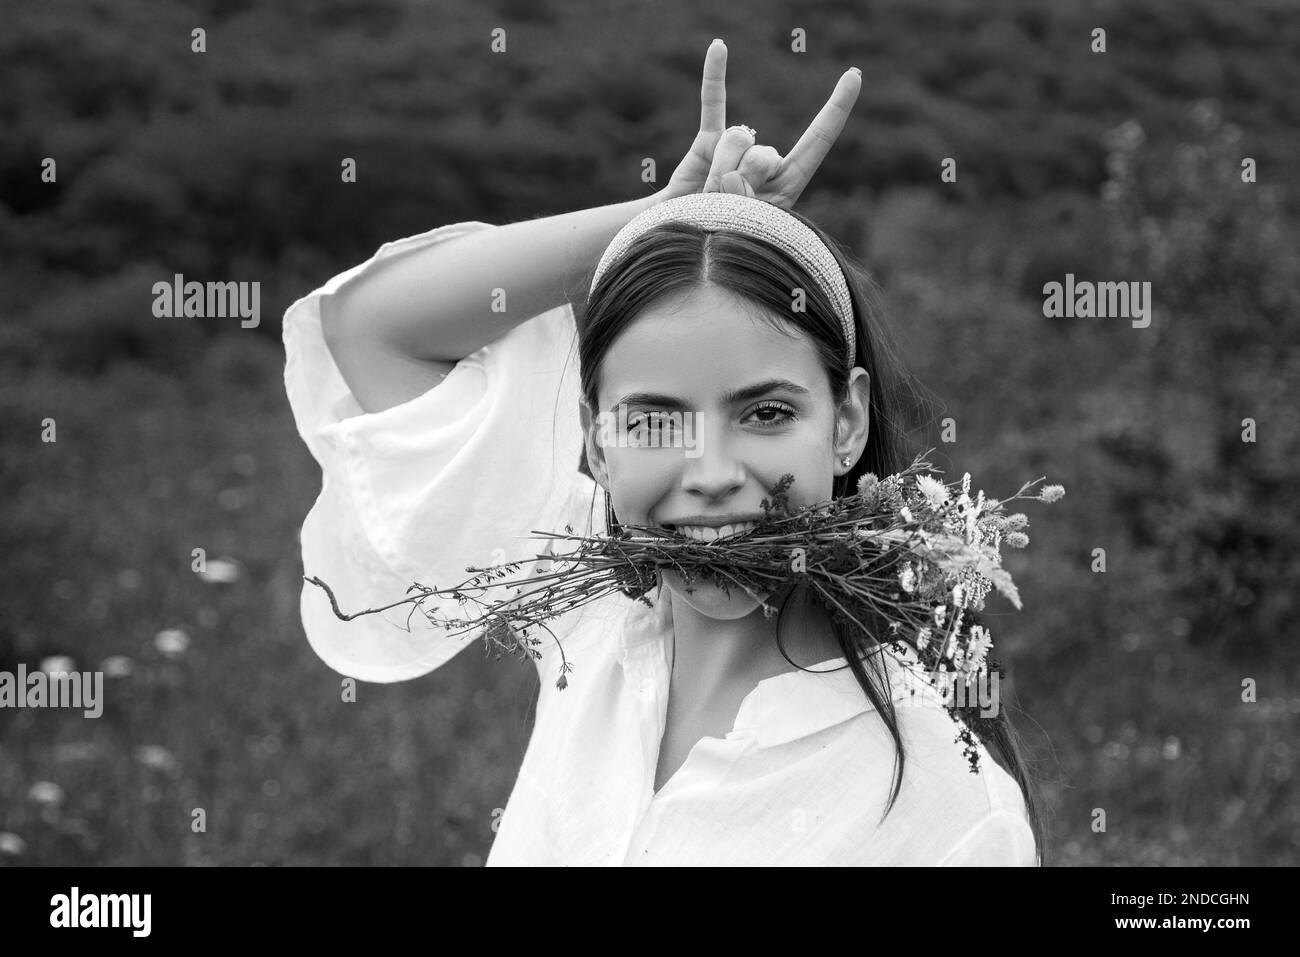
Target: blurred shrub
<point>93,323</point>
<point>1062,233</point>
<point>1221,255</point>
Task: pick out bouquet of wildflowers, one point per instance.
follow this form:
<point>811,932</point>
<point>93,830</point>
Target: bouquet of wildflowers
<point>907,560</point>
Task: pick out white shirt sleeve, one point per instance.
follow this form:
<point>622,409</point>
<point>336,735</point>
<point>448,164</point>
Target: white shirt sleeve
<point>457,476</point>
<point>1002,839</point>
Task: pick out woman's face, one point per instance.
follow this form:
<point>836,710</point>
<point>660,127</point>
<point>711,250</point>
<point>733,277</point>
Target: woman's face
<point>718,406</point>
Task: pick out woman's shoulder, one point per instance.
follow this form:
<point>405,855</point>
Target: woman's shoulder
<point>945,761</point>
<point>956,804</point>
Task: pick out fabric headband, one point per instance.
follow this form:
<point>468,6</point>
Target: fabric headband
<point>751,217</point>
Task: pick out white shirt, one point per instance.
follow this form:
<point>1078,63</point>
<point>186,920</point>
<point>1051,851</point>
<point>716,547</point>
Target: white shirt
<point>460,476</point>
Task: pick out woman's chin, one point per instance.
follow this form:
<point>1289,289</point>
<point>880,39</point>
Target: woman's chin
<point>710,600</point>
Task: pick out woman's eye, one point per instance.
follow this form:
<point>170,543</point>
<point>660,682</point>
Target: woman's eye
<point>782,413</point>
<point>650,428</point>
<point>664,429</point>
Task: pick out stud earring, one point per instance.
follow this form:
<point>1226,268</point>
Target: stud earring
<point>846,461</point>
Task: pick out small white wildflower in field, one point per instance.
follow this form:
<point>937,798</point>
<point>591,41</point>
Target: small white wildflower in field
<point>172,642</point>
<point>57,663</point>
<point>11,844</point>
<point>220,571</point>
<point>155,756</point>
<point>45,792</point>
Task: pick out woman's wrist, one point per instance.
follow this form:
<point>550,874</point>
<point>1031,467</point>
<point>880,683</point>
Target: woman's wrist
<point>654,199</point>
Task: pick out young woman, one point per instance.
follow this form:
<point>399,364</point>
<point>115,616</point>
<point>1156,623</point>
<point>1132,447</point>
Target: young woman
<point>435,386</point>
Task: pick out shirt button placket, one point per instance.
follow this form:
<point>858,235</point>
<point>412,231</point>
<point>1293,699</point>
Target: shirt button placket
<point>643,686</point>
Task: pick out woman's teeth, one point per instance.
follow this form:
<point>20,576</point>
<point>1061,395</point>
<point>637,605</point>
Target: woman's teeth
<point>706,533</point>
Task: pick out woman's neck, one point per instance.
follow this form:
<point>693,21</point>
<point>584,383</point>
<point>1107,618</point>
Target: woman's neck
<point>711,655</point>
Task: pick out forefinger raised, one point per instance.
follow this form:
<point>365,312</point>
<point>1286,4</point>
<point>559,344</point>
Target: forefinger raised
<point>713,90</point>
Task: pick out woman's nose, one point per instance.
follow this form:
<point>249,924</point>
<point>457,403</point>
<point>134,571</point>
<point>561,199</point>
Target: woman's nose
<point>716,470</point>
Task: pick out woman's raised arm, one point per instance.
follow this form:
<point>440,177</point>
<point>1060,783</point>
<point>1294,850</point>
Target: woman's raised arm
<point>398,329</point>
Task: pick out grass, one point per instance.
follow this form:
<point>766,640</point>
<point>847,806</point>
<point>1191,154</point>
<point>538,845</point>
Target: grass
<point>147,467</point>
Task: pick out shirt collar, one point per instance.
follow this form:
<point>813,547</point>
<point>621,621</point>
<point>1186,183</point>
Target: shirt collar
<point>788,706</point>
<point>646,626</point>
<point>800,703</point>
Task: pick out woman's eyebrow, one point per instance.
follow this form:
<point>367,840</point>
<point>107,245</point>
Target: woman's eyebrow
<point>737,395</point>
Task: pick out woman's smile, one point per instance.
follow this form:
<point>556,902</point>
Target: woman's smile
<point>708,528</point>
<point>709,533</point>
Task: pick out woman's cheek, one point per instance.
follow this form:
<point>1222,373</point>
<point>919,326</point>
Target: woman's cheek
<point>814,477</point>
<point>638,485</point>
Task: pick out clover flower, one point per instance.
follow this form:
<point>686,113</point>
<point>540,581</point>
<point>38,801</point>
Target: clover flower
<point>1051,493</point>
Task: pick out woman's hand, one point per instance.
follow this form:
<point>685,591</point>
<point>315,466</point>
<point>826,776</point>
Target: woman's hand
<point>728,161</point>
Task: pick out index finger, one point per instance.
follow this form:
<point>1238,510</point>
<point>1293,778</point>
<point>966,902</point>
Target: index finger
<point>818,139</point>
<point>713,90</point>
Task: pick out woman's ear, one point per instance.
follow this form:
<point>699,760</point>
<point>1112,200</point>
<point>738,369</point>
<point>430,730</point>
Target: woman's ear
<point>853,418</point>
<point>594,438</point>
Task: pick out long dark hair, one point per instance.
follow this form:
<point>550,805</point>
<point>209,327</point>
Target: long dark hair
<point>679,257</point>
